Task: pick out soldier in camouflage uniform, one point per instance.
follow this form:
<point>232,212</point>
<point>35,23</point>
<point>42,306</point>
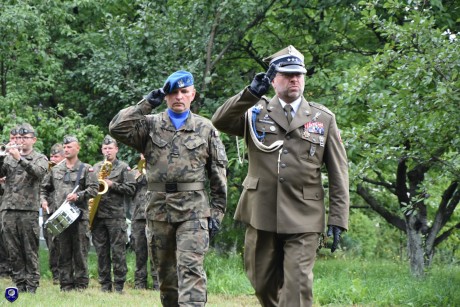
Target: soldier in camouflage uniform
<point>109,229</point>
<point>138,233</point>
<point>48,208</point>
<point>183,152</point>
<point>5,267</point>
<point>24,169</point>
<point>73,241</point>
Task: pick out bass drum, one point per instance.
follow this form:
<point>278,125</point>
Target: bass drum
<point>60,220</point>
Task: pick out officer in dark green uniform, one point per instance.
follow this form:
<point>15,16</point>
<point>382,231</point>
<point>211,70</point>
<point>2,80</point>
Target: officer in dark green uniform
<point>282,203</point>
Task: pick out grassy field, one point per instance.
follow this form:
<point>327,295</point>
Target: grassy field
<point>338,282</point>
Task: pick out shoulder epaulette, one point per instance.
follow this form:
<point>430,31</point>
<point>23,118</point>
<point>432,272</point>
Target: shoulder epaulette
<point>267,99</point>
<point>321,107</point>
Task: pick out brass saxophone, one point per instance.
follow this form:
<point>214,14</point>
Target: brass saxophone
<point>140,168</point>
<point>93,203</point>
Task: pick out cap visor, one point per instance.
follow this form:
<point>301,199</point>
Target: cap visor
<point>292,69</point>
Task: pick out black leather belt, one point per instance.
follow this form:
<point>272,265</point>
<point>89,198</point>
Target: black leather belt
<point>172,187</point>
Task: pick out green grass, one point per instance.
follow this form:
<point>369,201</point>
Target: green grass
<point>373,282</point>
<point>338,282</point>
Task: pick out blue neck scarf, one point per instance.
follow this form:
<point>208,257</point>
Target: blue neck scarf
<point>178,119</point>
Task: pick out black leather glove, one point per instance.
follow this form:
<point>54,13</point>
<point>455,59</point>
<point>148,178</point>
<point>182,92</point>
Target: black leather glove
<point>261,82</point>
<point>213,226</point>
<point>335,232</point>
<point>156,97</point>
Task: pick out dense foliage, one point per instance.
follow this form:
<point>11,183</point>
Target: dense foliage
<point>388,69</point>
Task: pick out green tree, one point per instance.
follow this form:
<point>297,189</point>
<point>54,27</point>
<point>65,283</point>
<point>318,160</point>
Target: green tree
<point>50,126</point>
<point>405,156</point>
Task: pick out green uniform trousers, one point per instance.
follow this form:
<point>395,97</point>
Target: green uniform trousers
<point>280,266</point>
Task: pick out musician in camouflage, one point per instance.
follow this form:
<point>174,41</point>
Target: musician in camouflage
<point>138,233</point>
<point>5,267</point>
<point>52,242</point>
<point>24,168</point>
<point>109,229</point>
<point>73,241</point>
<point>183,151</point>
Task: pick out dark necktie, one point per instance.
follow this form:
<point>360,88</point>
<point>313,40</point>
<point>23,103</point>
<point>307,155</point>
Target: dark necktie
<point>288,109</point>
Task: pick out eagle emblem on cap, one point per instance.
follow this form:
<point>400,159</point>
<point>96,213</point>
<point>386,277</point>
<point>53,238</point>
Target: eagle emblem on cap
<point>180,83</point>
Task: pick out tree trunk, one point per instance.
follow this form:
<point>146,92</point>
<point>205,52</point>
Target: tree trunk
<point>415,247</point>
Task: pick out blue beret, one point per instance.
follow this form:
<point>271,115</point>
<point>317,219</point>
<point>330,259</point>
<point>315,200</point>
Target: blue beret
<point>179,79</point>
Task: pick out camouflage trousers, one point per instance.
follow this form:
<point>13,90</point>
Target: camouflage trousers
<point>138,234</point>
<point>73,256</point>
<point>5,267</point>
<point>179,252</point>
<point>109,239</point>
<point>21,232</point>
<point>52,243</point>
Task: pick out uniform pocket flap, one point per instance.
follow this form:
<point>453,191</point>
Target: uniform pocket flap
<point>250,183</point>
<point>316,193</point>
<point>193,143</point>
<point>267,128</point>
<point>158,141</point>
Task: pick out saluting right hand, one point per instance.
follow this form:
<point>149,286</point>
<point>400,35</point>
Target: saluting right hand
<point>156,97</point>
<point>261,82</point>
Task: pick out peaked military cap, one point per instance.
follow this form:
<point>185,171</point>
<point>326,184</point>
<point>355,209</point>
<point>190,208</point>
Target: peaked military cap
<point>178,79</point>
<point>288,60</point>
<point>26,128</point>
<point>109,140</point>
<point>69,139</point>
<point>57,149</point>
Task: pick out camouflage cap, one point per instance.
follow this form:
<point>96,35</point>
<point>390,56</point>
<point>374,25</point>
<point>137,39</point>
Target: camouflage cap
<point>109,140</point>
<point>26,128</point>
<point>288,60</point>
<point>57,149</point>
<point>69,139</point>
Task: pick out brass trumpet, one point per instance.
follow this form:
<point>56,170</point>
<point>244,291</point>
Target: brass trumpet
<point>5,147</point>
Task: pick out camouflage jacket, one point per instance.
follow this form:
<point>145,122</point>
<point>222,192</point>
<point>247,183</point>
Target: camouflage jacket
<point>51,204</point>
<point>141,198</point>
<point>61,181</point>
<point>192,154</point>
<point>111,204</point>
<point>23,177</point>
